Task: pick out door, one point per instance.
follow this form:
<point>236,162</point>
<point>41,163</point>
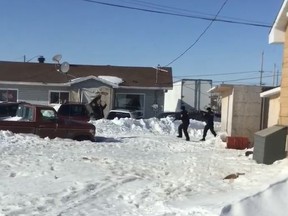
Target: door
<point>48,124</point>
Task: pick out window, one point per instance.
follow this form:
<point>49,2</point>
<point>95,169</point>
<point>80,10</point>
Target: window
<point>73,110</point>
<point>115,114</point>
<point>8,109</point>
<point>48,115</point>
<point>130,101</point>
<point>58,97</point>
<point>26,113</point>
<point>8,95</point>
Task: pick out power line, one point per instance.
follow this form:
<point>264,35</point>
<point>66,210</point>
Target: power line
<point>180,15</point>
<point>200,36</point>
<point>212,20</point>
<point>242,79</point>
<point>174,9</point>
<point>220,74</point>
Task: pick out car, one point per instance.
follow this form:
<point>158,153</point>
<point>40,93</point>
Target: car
<point>42,120</point>
<point>74,111</point>
<point>123,113</point>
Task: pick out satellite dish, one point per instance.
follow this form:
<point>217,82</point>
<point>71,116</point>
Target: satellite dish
<point>64,67</point>
<point>57,58</point>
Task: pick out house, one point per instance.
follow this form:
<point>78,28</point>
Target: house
<point>271,143</point>
<point>279,35</point>
<point>140,88</point>
<point>189,92</point>
<point>273,99</point>
<point>242,109</point>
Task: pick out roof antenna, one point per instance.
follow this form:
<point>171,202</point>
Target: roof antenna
<point>64,67</point>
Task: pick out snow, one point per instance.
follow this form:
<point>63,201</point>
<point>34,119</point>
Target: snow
<point>13,118</point>
<point>136,167</point>
<point>112,79</point>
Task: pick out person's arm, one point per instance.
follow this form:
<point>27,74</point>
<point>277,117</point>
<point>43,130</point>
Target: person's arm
<point>104,106</point>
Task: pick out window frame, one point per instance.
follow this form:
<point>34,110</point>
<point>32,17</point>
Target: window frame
<point>59,95</point>
<point>11,89</point>
<point>139,94</point>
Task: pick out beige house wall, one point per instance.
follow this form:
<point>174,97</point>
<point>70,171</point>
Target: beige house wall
<point>240,109</point>
<point>226,111</point>
<point>246,111</point>
<point>274,110</point>
<point>283,117</point>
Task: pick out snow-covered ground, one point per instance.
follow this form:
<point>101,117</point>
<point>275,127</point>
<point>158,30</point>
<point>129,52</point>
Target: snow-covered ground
<point>137,167</point>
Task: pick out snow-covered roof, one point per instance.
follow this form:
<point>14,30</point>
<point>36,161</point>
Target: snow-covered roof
<point>27,73</point>
<point>270,92</point>
<point>109,80</point>
<point>220,88</point>
<point>112,79</point>
<point>277,33</point>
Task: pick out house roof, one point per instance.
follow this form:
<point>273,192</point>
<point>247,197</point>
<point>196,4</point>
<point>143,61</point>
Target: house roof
<point>228,87</point>
<point>45,73</point>
<point>270,92</point>
<point>277,33</point>
<point>220,88</point>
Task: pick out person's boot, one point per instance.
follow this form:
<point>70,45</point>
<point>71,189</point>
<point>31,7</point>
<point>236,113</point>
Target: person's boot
<point>179,136</point>
<point>203,139</point>
<point>187,139</point>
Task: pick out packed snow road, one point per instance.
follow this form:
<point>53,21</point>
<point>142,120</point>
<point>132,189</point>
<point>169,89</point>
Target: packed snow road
<point>134,168</point>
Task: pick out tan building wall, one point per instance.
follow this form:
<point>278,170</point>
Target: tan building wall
<point>283,117</point>
<point>227,110</point>
<point>246,111</point>
<point>274,110</point>
<point>240,109</point>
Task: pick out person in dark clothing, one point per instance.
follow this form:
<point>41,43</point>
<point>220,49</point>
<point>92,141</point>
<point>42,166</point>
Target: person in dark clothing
<point>185,123</point>
<point>98,107</point>
<point>209,119</point>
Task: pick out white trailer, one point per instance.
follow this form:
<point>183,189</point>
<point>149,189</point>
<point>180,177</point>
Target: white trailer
<point>192,93</point>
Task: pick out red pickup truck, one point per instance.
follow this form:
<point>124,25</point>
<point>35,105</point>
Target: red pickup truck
<point>44,122</point>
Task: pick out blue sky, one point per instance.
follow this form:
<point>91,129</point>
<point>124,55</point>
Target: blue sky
<point>89,33</point>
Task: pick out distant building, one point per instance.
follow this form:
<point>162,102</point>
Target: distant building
<point>243,111</point>
<point>140,88</point>
<point>193,93</point>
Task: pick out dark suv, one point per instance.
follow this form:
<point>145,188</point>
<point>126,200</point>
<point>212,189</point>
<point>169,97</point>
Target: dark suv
<point>74,111</point>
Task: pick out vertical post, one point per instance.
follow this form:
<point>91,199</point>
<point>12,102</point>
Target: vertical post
<point>195,94</point>
<point>274,74</point>
<point>157,71</point>
<point>261,70</point>
<point>277,77</point>
<point>198,94</point>
<point>182,86</point>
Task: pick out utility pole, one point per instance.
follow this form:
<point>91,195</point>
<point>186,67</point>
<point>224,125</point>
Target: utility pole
<point>274,74</point>
<point>277,77</point>
<point>261,70</point>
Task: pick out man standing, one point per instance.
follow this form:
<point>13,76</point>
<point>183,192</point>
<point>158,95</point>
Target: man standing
<point>98,107</point>
<point>209,119</point>
<point>185,123</point>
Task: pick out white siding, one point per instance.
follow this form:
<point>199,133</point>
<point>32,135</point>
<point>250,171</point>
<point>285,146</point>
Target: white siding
<point>274,110</point>
<point>173,98</point>
<point>193,93</point>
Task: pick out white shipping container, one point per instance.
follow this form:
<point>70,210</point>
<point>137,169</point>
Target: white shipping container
<point>193,93</point>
